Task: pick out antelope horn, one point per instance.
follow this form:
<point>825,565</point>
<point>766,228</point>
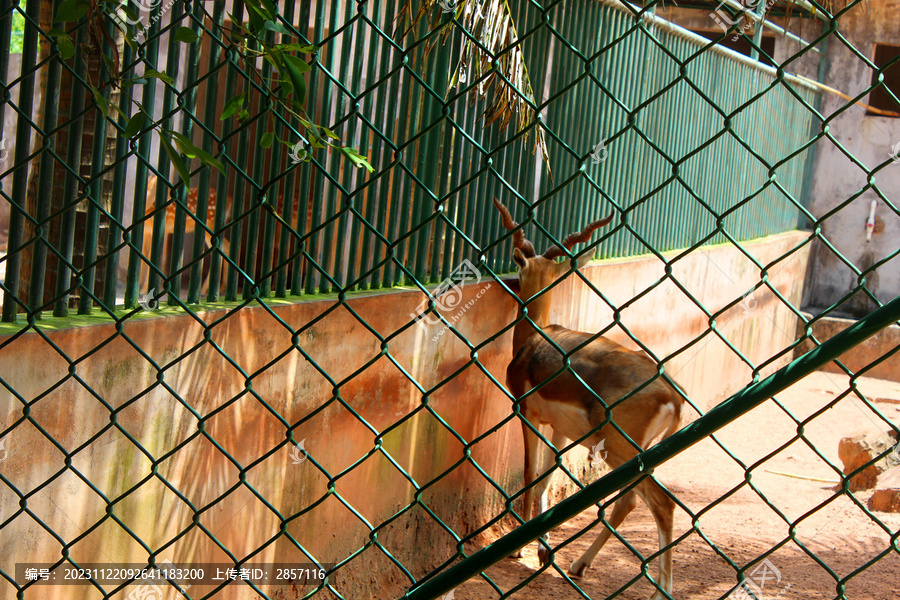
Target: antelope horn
<point>519,240</point>
<point>576,238</point>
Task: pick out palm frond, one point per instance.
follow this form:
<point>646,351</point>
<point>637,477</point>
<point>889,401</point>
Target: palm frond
<point>490,22</point>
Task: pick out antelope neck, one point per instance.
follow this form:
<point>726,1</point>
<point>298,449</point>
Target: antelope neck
<point>538,312</point>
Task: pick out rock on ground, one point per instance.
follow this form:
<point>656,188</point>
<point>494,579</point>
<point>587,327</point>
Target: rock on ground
<point>857,450</point>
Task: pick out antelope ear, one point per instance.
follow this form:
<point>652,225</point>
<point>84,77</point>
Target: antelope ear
<point>519,257</point>
<point>585,258</point>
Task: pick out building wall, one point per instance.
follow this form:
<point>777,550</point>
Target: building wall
<point>836,178</point>
<point>259,383</point>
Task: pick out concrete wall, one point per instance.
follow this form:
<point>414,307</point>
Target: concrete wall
<point>265,382</point>
<point>868,138</point>
<point>861,356</point>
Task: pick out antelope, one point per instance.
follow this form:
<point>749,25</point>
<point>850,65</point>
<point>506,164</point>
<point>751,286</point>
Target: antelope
<point>572,411</point>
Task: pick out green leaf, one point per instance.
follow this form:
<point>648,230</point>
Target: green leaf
<point>135,124</point>
<point>257,15</point>
<point>176,159</point>
<point>188,148</point>
<point>102,103</point>
<point>329,133</point>
<point>295,68</point>
<point>186,35</point>
<point>359,161</point>
<point>63,42</point>
<point>301,48</point>
<point>267,139</point>
<point>276,27</point>
<point>129,39</point>
<point>157,75</point>
<point>234,104</point>
<point>72,10</point>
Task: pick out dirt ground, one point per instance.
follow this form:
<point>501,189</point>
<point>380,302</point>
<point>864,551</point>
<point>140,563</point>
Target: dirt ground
<point>829,529</point>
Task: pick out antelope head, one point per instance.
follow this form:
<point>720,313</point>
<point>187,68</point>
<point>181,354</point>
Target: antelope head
<point>536,272</point>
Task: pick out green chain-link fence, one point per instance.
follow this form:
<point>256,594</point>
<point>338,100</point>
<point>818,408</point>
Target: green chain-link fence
<point>218,346</point>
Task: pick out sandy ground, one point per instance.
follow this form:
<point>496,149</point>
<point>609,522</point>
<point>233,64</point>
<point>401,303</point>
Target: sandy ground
<point>827,528</point>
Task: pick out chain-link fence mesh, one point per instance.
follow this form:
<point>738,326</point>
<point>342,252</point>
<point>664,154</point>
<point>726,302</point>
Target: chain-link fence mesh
<point>219,351</point>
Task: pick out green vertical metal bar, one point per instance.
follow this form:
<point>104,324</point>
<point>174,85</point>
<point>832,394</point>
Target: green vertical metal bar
<point>374,106</point>
<point>469,164</point>
<point>684,204</point>
<point>257,198</point>
<point>617,167</point>
<point>387,199</point>
<point>117,209</point>
<point>223,182</point>
<point>410,105</point>
<point>392,227</point>
<point>203,181</point>
<point>20,173</point>
<point>238,201</point>
<point>95,196</point>
<point>324,196</point>
<point>286,238</point>
<point>333,201</point>
<point>348,256</point>
<point>478,201</point>
<point>298,280</point>
<point>643,153</point>
<point>45,177</point>
<point>647,461</point>
<point>455,206</point>
<point>269,202</point>
<point>7,10</point>
<point>173,54</point>
<point>429,151</point>
<point>176,255</point>
<point>148,100</point>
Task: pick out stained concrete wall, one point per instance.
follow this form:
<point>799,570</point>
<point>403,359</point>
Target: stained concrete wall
<point>868,138</point>
<point>866,354</point>
<point>244,393</point>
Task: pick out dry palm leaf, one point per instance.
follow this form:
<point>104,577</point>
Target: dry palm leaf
<point>490,23</point>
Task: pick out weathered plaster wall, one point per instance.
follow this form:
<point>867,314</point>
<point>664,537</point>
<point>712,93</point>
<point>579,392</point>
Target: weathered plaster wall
<point>862,356</point>
<point>868,138</point>
<point>246,401</point>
